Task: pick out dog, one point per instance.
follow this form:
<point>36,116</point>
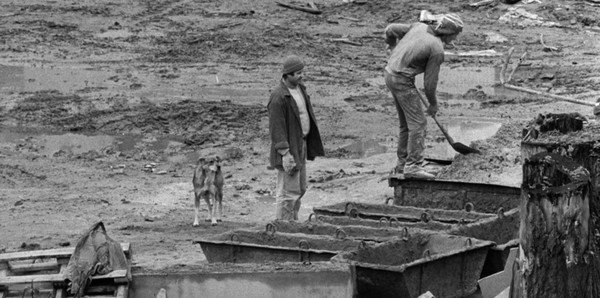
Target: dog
<point>208,184</point>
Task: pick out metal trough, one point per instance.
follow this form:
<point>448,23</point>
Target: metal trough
<point>400,213</point>
<point>445,265</point>
<point>357,232</point>
<point>382,223</point>
<point>454,195</point>
<point>247,246</point>
<point>503,230</point>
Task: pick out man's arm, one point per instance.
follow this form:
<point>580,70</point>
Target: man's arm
<point>430,78</point>
<point>395,32</point>
<point>278,125</point>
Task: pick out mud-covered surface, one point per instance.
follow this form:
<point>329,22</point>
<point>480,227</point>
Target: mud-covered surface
<point>383,223</point>
<point>379,234</point>
<point>500,230</point>
<point>399,213</point>
<point>417,246</point>
<point>105,106</point>
<point>284,240</point>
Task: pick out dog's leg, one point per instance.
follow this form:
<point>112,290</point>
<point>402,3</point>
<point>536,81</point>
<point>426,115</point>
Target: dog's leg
<point>211,208</point>
<point>196,209</point>
<point>219,200</point>
<point>211,197</point>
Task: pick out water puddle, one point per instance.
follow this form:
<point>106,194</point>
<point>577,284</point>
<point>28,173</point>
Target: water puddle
<point>49,143</point>
<point>364,148</point>
<point>454,83</point>
<point>45,77</point>
<point>248,285</point>
<point>464,132</point>
<point>458,81</point>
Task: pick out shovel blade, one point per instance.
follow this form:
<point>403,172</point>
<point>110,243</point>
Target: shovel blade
<point>463,149</point>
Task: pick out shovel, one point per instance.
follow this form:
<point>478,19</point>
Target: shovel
<point>457,146</point>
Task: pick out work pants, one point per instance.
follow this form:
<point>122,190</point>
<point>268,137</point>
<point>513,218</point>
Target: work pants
<point>290,189</point>
<point>413,124</point>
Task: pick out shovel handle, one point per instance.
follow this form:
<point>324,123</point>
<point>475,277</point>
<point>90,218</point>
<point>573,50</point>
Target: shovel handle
<point>444,131</point>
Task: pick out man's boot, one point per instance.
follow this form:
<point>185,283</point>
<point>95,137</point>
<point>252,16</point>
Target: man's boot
<point>415,171</point>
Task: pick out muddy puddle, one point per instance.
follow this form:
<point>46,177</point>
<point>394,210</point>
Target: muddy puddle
<point>38,77</point>
<point>51,143</point>
<point>279,284</point>
<point>463,83</point>
<point>464,132</point>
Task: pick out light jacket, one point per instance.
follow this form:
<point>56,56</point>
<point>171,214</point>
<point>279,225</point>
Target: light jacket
<point>286,130</point>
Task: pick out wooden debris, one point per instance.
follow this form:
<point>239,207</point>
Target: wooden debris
<point>505,65</point>
<point>554,96</point>
<point>546,47</point>
<point>313,5</point>
<point>43,271</point>
<point>350,19</point>
<point>484,3</point>
<point>516,66</point>
<point>347,41</point>
<point>300,8</point>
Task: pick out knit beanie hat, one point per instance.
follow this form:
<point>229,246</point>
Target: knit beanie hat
<point>292,64</point>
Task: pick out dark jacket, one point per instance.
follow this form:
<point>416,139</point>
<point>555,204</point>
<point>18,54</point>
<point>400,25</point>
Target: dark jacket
<point>286,130</point>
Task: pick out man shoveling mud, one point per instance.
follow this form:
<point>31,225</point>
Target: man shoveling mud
<point>416,48</point>
<point>294,138</point>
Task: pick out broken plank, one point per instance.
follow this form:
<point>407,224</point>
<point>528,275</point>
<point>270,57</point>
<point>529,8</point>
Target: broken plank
<point>65,252</point>
<point>116,275</point>
<point>347,41</point>
<point>554,96</point>
<point>122,291</point>
<point>60,293</point>
<point>300,8</point>
<point>349,19</point>
<point>20,268</point>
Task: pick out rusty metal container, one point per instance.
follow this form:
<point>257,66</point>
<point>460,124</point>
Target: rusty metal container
<point>400,213</point>
<point>356,232</point>
<point>446,265</point>
<point>250,246</point>
<point>454,195</point>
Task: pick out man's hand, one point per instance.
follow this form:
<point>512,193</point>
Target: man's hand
<point>289,165</point>
<point>432,110</point>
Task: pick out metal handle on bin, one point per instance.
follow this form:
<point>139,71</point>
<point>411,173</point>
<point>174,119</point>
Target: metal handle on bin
<point>311,216</point>
<point>426,253</point>
<point>387,201</point>
<point>500,212</point>
<point>469,242</point>
<point>271,229</point>
<point>362,244</point>
<point>469,207</point>
<point>383,219</point>
<point>234,237</point>
<point>425,217</point>
<point>392,219</point>
<point>348,208</point>
<point>406,234</point>
<point>304,246</point>
<point>339,232</point>
<point>353,213</point>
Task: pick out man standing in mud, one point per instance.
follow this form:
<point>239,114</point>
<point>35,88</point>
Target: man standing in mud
<point>295,138</point>
<point>414,49</point>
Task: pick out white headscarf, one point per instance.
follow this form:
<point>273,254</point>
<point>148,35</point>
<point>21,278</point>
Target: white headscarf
<point>442,24</point>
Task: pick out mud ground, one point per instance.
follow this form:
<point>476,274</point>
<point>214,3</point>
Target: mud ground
<point>181,79</point>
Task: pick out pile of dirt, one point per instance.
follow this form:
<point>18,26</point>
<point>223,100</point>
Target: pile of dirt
<point>500,155</point>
